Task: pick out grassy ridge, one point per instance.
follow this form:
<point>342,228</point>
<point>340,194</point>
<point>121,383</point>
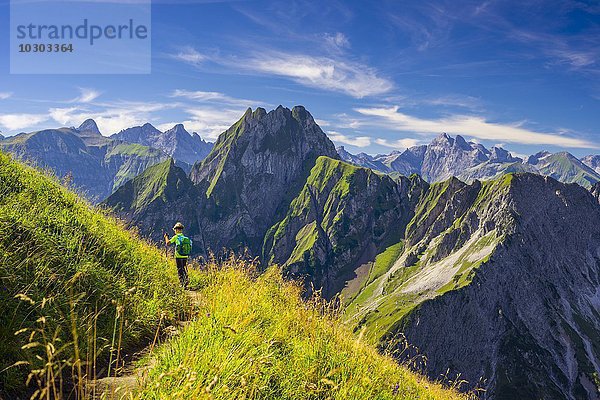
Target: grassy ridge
<point>255,338</point>
<point>74,284</point>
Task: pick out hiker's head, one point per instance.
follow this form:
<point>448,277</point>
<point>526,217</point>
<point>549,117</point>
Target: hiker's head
<point>178,228</point>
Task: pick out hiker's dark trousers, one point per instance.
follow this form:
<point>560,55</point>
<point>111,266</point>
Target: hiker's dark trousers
<point>182,271</point>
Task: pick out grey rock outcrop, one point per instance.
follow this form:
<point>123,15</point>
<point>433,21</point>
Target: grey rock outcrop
<point>525,318</point>
<point>176,142</point>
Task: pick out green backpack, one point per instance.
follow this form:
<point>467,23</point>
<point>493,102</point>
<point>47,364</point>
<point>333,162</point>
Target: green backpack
<point>184,246</point>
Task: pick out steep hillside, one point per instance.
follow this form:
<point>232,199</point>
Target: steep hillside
<point>157,198</point>
<point>72,278</point>
<point>338,223</point>
<point>256,338</point>
<point>497,280</point>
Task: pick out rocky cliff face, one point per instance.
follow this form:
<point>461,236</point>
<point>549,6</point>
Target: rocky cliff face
<point>447,156</point>
<point>176,142</point>
<point>596,191</point>
<point>342,217</point>
<point>498,280</point>
<point>254,168</point>
<point>593,162</point>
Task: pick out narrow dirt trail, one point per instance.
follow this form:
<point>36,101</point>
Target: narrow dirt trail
<point>120,387</point>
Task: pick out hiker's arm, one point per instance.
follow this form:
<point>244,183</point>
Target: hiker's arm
<point>167,240</point>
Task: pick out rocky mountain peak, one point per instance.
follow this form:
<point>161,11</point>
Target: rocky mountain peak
<point>444,140</point>
<point>461,143</point>
<point>89,125</point>
<point>178,129</point>
<point>255,162</point>
<point>535,158</point>
<point>499,155</point>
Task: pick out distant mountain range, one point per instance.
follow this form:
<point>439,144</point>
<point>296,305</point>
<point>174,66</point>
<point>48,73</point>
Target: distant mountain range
<point>446,156</point>
<point>176,142</point>
<point>97,165</point>
<point>497,281</point>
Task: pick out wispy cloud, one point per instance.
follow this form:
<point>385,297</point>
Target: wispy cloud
<point>5,95</point>
<point>577,54</point>
<point>474,126</point>
<point>337,42</point>
<point>357,141</point>
<point>339,75</point>
<point>189,55</point>
<point>111,117</point>
<point>86,95</point>
<point>15,122</point>
<point>354,79</point>
<point>212,97</point>
<point>404,143</point>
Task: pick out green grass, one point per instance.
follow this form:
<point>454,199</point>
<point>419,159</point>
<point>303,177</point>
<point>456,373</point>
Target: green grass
<point>75,284</point>
<point>256,338</point>
<point>133,149</point>
<point>385,260</point>
<point>566,168</point>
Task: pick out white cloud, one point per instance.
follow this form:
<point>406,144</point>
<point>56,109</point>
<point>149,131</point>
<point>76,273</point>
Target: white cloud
<point>86,95</point>
<point>114,117</point>
<point>214,97</point>
<point>190,55</point>
<point>14,122</point>
<point>353,79</point>
<point>5,95</point>
<point>336,41</point>
<point>404,143</point>
<point>322,122</point>
<point>357,141</point>
<point>474,126</point>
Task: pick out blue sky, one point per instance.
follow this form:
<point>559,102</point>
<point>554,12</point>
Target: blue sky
<point>376,75</point>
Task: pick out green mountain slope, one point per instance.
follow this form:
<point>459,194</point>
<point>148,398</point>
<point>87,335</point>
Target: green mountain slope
<point>79,291</point>
<point>256,338</point>
<point>157,198</point>
<point>341,218</point>
<point>254,169</point>
<point>496,280</point>
<point>565,167</point>
<point>66,271</point>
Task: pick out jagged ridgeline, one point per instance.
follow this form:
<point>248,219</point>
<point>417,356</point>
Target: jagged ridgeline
<point>72,278</point>
<point>75,285</point>
<point>496,281</point>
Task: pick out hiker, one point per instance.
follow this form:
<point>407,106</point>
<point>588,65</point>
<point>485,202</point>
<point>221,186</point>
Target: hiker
<point>183,248</point>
